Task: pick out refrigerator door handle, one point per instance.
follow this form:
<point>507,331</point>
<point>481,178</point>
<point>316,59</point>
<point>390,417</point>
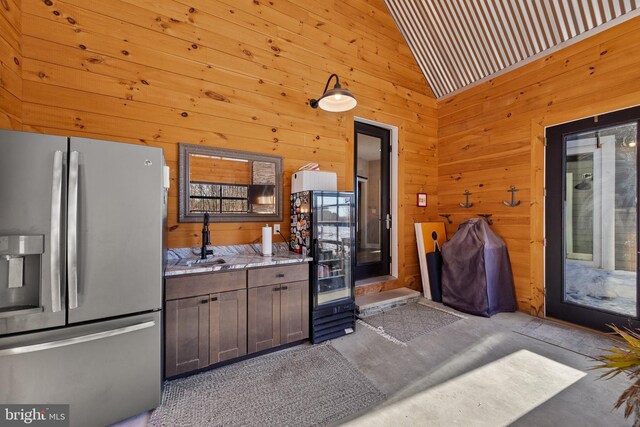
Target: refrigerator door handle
<point>76,340</point>
<point>72,232</point>
<point>56,214</point>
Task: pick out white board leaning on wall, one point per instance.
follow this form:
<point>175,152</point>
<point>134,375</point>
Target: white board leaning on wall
<point>425,244</point>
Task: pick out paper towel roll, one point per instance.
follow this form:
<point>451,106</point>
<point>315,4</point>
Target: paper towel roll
<point>266,240</point>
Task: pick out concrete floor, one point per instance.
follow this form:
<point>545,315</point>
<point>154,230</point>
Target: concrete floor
<point>411,377</point>
<point>442,357</point>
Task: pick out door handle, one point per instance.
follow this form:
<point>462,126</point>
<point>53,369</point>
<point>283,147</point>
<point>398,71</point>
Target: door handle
<point>280,275</point>
<point>284,288</point>
<point>76,340</point>
<point>204,301</point>
<point>214,299</point>
<point>387,220</point>
<point>72,232</point>
<point>56,214</point>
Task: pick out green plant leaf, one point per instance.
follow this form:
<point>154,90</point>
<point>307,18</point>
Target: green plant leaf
<point>623,358</point>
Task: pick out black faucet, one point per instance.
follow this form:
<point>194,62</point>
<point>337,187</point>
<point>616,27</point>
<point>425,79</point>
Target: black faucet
<point>206,237</point>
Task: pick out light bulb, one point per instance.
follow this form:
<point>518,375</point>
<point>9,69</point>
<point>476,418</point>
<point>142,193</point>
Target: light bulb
<point>337,97</point>
<point>632,144</point>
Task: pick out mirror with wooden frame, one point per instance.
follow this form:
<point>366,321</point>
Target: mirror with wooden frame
<point>232,186</point>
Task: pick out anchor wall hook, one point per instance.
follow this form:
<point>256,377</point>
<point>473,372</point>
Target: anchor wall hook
<point>513,202</point>
<point>487,217</point>
<point>447,216</point>
<point>466,204</point>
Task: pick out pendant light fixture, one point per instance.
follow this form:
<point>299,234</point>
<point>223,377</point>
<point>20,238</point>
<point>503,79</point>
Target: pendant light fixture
<point>335,100</point>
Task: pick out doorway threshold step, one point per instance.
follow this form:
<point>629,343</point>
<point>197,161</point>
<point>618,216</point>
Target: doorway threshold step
<point>371,304</point>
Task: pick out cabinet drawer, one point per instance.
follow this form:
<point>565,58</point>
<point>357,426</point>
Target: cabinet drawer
<point>278,274</point>
<point>202,284</point>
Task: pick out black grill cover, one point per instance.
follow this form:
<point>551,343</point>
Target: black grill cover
<point>476,272</point>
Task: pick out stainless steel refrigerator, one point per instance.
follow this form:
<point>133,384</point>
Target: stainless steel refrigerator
<point>323,225</point>
<point>81,258</point>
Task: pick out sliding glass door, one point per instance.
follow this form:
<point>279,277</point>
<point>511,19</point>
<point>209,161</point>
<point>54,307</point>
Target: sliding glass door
<point>592,220</point>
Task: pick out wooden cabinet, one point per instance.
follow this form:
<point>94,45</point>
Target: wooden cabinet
<point>208,327</point>
<point>214,317</point>
<point>264,318</point>
<point>294,312</point>
<point>204,284</point>
<point>186,335</point>
<point>227,325</point>
<point>277,275</point>
<point>278,313</point>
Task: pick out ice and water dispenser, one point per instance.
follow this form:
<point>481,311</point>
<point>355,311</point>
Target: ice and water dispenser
<point>20,264</point>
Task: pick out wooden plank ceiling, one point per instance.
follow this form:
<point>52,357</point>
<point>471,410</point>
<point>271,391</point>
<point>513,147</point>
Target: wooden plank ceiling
<point>459,43</point>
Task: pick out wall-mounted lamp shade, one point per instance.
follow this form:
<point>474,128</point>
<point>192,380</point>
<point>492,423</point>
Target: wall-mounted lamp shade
<point>335,100</point>
<point>260,194</point>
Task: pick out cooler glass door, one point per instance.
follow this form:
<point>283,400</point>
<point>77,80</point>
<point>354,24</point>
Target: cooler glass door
<point>333,222</point>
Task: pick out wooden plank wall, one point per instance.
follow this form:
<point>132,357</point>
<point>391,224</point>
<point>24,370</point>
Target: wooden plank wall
<point>232,74</point>
<point>491,137</point>
<point>207,169</point>
<point>10,65</point>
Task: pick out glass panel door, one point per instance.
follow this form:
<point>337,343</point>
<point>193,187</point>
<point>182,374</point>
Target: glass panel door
<point>372,165</point>
<point>591,220</point>
<point>600,224</point>
<point>333,219</point>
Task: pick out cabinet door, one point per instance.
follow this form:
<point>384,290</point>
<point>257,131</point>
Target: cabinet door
<point>294,312</point>
<point>187,335</point>
<point>264,318</point>
<point>228,326</point>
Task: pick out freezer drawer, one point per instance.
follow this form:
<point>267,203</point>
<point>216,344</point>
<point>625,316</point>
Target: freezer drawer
<point>106,372</point>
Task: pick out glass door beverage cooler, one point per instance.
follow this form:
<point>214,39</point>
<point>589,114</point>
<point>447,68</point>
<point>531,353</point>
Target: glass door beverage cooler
<point>323,226</point>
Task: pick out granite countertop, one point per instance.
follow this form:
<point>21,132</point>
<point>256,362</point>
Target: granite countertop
<point>182,261</point>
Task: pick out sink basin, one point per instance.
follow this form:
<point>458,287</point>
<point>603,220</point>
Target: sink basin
<point>205,261</point>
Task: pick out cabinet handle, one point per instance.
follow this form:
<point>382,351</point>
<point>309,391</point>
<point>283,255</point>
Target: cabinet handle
<point>284,288</point>
<point>204,301</point>
<point>214,299</point>
<point>280,275</point>
<point>276,289</point>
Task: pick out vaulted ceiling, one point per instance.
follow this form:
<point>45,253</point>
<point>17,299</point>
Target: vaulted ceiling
<point>461,42</point>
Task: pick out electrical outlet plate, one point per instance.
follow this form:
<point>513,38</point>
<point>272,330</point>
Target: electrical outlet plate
<point>276,228</point>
